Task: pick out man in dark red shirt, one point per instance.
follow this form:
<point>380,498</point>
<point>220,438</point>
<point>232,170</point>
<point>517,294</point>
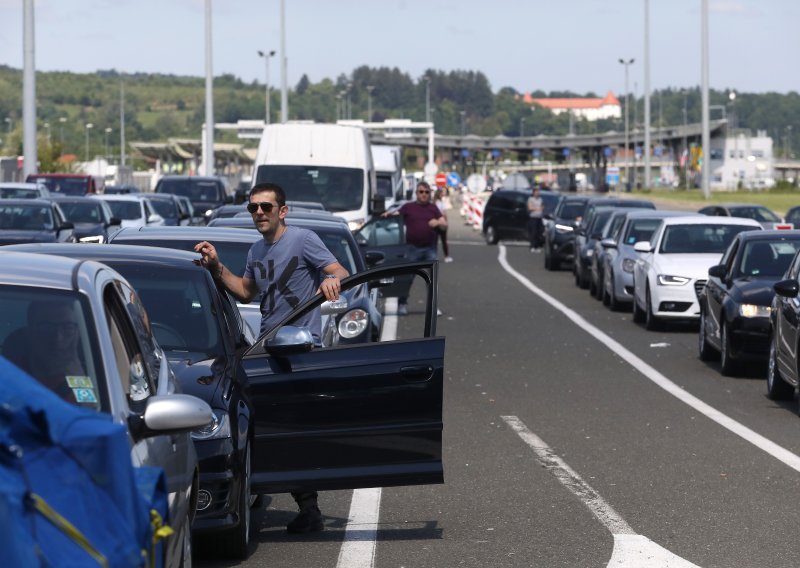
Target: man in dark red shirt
<point>421,218</point>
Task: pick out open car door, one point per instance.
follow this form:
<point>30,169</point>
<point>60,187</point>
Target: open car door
<point>349,416</point>
<point>388,235</point>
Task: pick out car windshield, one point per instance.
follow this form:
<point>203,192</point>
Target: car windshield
<point>640,230</point>
<point>82,212</point>
<point>549,202</point>
<point>19,193</point>
<point>793,216</point>
<point>126,210</point>
<point>194,189</point>
<point>760,214</point>
<point>66,186</point>
<point>50,335</point>
<point>699,238</point>
<point>25,217</point>
<point>385,185</point>
<point>571,210</point>
<point>338,189</point>
<point>180,306</point>
<point>765,258</point>
<point>599,221</point>
<point>165,208</point>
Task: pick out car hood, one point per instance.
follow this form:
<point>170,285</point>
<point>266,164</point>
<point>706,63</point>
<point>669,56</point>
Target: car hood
<point>19,237</point>
<point>756,290</point>
<point>197,375</point>
<point>690,265</point>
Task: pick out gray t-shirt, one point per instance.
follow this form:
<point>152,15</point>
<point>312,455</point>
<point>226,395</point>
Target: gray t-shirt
<point>535,207</point>
<point>288,272</point>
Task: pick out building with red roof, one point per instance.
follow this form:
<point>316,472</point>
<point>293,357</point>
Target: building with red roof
<point>589,108</point>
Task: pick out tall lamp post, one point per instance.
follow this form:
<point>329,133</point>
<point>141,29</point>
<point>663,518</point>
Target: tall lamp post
<point>427,99</point>
<point>370,88</point>
<point>107,131</point>
<point>463,114</point>
<point>685,145</point>
<point>47,127</point>
<point>87,127</point>
<point>266,55</point>
<point>522,127</point>
<point>626,63</point>
<point>62,120</point>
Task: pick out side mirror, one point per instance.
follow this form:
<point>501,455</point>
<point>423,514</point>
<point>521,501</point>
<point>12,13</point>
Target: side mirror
<point>170,414</point>
<point>66,225</point>
<point>595,236</point>
<point>289,340</point>
<point>155,218</point>
<point>377,204</point>
<point>374,257</point>
<point>114,221</point>
<point>608,243</point>
<point>643,246</point>
<point>228,199</point>
<point>718,271</point>
<point>549,216</point>
<point>787,288</point>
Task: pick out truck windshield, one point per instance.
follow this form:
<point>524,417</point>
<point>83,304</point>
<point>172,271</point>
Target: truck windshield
<point>338,189</point>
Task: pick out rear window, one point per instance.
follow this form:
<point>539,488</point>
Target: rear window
<point>194,189</point>
<point>699,238</point>
<point>126,210</point>
<point>571,210</point>
<point>64,186</point>
<point>25,217</point>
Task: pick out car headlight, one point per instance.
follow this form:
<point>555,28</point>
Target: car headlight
<point>355,224</point>
<point>754,311</point>
<point>628,265</point>
<point>209,212</point>
<point>564,228</point>
<point>219,427</point>
<point>667,280</point>
<point>589,252</point>
<point>353,323</point>
<point>93,239</point>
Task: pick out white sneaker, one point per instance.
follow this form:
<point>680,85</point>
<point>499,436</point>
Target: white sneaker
<point>402,309</point>
<point>448,259</point>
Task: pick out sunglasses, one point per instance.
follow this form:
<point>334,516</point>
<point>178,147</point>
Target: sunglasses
<point>424,191</point>
<point>266,207</point>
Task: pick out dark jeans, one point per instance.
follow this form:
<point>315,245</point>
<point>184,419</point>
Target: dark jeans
<point>535,231</point>
<point>417,254</point>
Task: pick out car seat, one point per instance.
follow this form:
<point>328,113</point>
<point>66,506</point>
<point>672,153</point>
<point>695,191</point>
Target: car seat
<point>678,240</point>
<point>761,261</point>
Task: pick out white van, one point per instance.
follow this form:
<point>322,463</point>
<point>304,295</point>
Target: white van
<point>389,172</point>
<point>325,163</point>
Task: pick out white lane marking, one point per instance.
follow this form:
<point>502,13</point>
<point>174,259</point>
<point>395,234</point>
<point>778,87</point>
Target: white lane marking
<point>361,531</point>
<point>630,550</point>
<point>358,548</point>
<point>778,452</point>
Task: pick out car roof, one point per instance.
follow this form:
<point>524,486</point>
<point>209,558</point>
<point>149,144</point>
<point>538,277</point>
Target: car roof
<point>22,201</point>
<point>709,220</point>
<point>197,234</point>
<point>19,185</point>
<point>102,253</point>
<point>55,175</point>
<point>770,235</point>
<point>732,204</point>
<point>639,212</point>
<point>26,268</point>
<point>199,178</point>
<point>117,197</point>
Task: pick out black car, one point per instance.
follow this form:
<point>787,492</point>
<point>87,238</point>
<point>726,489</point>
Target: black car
<point>783,369</point>
<point>736,301</point>
<point>34,221</point>
<point>198,326</point>
<point>120,189</point>
<point>169,207</point>
<point>506,213</point>
<point>559,232</point>
<point>588,234</point>
<point>205,192</point>
<point>93,220</point>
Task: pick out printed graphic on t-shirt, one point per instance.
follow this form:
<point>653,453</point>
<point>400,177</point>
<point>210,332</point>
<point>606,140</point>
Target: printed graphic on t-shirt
<point>281,284</point>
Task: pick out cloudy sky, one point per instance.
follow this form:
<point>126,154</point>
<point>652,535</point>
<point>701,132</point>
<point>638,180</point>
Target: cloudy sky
<point>525,44</point>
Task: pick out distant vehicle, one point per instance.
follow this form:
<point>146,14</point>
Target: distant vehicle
<point>205,192</point>
<point>132,210</point>
<point>589,234</point>
<point>66,184</point>
<point>609,230</point>
<point>783,369</point>
<point>389,172</point>
<point>188,208</point>
<point>793,216</point>
<point>18,190</point>
<point>93,219</point>
<point>735,302</point>
<point>326,163</point>
<point>760,213</point>
<point>169,207</point>
<point>673,266</point>
<point>506,213</point>
<point>33,221</point>
<point>559,234</point>
<point>120,189</point>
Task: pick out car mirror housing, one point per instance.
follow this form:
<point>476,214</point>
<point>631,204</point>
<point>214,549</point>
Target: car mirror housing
<point>289,340</point>
<point>374,257</point>
<point>66,225</point>
<point>608,243</point>
<point>170,414</point>
<point>787,288</point>
<point>643,246</point>
<point>717,271</point>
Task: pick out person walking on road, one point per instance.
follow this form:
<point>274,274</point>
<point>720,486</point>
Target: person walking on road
<point>535,214</point>
<point>442,201</point>
<point>422,218</point>
<point>287,267</point>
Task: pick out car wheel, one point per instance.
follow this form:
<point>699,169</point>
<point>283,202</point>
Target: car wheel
<point>704,349</point>
<point>638,313</point>
<point>235,542</point>
<point>777,388</point>
<point>186,552</point>
<point>605,296</point>
<point>548,262</point>
<point>592,288</point>
<point>727,363</point>
<point>490,234</point>
<point>651,322</point>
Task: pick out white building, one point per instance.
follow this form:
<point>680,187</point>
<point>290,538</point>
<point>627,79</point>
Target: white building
<point>742,160</point>
<point>588,108</point>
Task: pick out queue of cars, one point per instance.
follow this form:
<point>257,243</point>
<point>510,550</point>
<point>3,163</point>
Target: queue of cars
<point>377,417</point>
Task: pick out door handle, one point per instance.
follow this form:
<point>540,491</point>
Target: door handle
<point>417,374</point>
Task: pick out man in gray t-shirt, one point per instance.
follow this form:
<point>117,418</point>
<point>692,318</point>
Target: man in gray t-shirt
<point>287,268</point>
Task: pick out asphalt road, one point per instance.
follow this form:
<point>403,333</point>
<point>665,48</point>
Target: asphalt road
<point>560,451</point>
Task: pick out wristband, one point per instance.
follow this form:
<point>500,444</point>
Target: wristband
<point>331,276</point>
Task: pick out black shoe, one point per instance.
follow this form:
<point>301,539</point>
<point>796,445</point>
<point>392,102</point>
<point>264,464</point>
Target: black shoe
<point>307,520</point>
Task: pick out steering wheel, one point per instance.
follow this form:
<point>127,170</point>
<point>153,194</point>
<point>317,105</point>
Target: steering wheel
<point>167,336</point>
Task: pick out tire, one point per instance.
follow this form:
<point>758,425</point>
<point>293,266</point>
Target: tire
<point>728,365</point>
<point>777,388</point>
<point>613,304</point>
<point>548,262</point>
<point>704,349</point>
<point>651,322</point>
<point>638,313</point>
<point>490,234</point>
<point>186,553</point>
<point>605,296</point>
<point>592,288</point>
<point>235,543</point>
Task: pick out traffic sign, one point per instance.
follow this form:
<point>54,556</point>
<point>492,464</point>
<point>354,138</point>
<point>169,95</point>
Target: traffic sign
<point>430,169</point>
<point>441,179</point>
<point>476,183</point>
<point>612,176</point>
<point>453,179</point>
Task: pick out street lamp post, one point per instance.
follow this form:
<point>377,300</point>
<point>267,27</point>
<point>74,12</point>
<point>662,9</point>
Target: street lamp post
<point>47,127</point>
<point>626,63</point>
<point>427,99</point>
<point>463,114</point>
<point>266,55</point>
<point>522,127</point>
<point>685,146</point>
<point>370,88</point>
<point>107,131</point>
<point>62,120</point>
<point>787,143</point>
<point>10,123</point>
<point>349,105</point>
<point>88,126</point>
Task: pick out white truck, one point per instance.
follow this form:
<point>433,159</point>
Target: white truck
<point>389,172</point>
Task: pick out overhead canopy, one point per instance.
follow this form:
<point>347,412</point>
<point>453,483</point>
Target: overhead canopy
<point>180,149</point>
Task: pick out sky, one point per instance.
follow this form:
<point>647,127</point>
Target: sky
<point>548,45</point>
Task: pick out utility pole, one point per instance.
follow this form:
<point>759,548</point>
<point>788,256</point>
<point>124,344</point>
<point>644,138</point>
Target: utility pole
<point>266,55</point>
<point>284,59</point>
<point>28,94</point>
<point>646,149</point>
<point>704,82</point>
<point>427,98</point>
<point>626,63</point>
<point>370,88</point>
<point>208,135</point>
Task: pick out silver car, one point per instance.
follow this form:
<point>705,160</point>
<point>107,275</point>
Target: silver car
<point>79,329</point>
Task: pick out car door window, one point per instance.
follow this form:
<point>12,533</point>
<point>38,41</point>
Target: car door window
<point>385,231</point>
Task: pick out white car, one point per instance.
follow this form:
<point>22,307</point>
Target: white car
<point>673,265</point>
<point>133,211</point>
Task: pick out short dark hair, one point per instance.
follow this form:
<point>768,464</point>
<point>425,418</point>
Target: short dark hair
<point>424,184</point>
<point>280,195</point>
